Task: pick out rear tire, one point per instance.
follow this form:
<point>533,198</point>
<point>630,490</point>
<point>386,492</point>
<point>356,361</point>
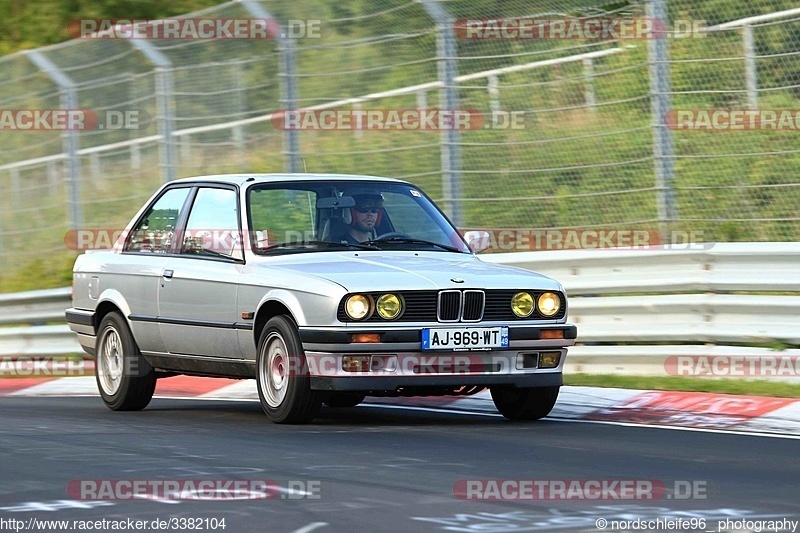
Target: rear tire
<point>525,403</point>
<point>284,385</point>
<point>344,399</point>
<point>126,381</point>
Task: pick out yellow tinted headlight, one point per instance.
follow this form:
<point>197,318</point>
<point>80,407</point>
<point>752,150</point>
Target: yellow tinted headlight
<point>548,303</point>
<point>389,306</point>
<point>522,304</point>
<point>357,306</point>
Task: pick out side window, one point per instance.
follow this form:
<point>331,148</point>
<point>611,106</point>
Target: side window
<point>213,226</point>
<point>155,232</point>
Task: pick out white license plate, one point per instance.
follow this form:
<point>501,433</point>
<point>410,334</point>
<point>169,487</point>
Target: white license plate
<point>464,338</point>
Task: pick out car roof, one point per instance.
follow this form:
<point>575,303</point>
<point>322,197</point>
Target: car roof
<point>241,179</point>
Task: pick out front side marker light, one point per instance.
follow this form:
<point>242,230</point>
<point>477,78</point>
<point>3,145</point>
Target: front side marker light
<point>365,337</point>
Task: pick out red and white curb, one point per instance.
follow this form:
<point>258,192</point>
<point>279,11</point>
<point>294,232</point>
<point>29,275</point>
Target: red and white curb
<point>663,408</point>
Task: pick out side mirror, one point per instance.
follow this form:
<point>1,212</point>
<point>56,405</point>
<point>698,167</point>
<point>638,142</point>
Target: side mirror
<point>477,240</point>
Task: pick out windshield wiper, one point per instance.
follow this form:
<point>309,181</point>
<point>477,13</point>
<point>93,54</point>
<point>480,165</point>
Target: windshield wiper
<point>294,244</point>
<point>410,240</point>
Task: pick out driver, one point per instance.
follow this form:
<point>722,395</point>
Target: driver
<point>365,216</point>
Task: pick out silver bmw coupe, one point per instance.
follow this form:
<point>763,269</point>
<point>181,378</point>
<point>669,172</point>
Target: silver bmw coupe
<point>325,289</point>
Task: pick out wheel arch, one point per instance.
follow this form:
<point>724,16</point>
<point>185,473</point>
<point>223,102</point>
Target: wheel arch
<point>267,310</point>
<point>108,302</point>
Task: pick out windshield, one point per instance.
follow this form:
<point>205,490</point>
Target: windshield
<point>324,215</point>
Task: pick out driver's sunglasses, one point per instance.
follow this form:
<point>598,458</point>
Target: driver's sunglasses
<point>365,208</point>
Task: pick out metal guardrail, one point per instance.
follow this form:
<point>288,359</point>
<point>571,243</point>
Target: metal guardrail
<point>34,307</point>
<point>633,308</point>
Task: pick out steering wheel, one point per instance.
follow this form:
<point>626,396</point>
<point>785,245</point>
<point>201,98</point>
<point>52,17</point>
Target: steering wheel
<point>391,235</point>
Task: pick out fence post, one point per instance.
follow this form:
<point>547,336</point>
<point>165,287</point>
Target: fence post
<point>94,168</point>
<point>663,147</point>
<point>493,88</point>
<point>238,131</point>
<point>588,91</point>
<point>751,72</point>
<point>289,102</point>
<point>166,107</point>
<point>136,157</point>
<point>69,138</point>
<point>288,62</point>
<point>447,55</point>
<point>422,100</point>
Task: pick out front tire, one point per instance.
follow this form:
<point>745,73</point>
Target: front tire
<point>525,403</point>
<point>284,385</point>
<point>126,381</point>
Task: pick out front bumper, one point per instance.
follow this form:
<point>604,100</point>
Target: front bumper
<point>403,364</point>
<point>424,370</point>
<point>81,322</point>
<point>395,383</point>
<point>339,340</point>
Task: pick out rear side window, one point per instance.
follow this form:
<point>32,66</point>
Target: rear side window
<point>155,232</point>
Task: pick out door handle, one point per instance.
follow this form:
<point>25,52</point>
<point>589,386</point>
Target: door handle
<point>168,274</point>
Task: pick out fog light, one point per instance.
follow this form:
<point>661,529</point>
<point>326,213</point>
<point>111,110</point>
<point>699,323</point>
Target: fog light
<point>552,334</point>
<point>356,363</point>
<point>549,359</point>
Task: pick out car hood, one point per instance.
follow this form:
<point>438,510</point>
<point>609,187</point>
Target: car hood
<point>407,270</point>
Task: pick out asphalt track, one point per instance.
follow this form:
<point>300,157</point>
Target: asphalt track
<point>378,468</point>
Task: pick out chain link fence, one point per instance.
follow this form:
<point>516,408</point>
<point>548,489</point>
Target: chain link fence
<point>574,128</point>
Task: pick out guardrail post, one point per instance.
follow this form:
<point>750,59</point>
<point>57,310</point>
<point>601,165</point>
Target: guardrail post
<point>447,55</point>
<point>69,137</point>
<point>663,147</point>
<point>166,106</point>
<point>288,101</point>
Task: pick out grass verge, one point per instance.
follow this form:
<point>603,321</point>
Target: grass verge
<point>780,389</point>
